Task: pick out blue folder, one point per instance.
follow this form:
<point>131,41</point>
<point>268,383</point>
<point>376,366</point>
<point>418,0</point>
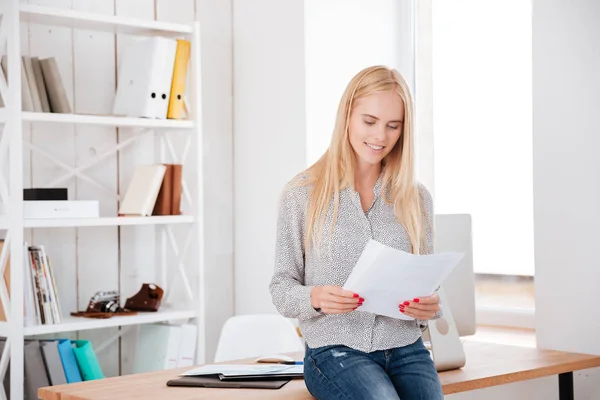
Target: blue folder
<point>65,349</point>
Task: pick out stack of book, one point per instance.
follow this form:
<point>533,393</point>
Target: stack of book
<point>42,88</point>
<point>41,303</point>
<point>154,190</point>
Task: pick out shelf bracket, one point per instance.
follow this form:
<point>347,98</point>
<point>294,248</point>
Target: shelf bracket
<point>4,366</point>
<point>180,256</point>
<point>74,171</point>
<point>109,152</point>
<point>112,339</point>
<point>4,196</point>
<point>3,289</point>
<point>3,81</point>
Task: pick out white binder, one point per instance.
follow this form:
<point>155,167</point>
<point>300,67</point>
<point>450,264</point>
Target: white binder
<point>187,346</point>
<point>144,78</point>
<point>157,348</point>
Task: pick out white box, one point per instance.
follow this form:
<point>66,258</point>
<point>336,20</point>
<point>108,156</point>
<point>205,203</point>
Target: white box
<point>48,209</point>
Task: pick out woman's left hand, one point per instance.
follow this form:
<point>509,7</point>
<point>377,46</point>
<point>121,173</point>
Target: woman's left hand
<point>422,308</point>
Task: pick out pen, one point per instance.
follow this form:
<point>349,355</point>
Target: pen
<point>292,362</point>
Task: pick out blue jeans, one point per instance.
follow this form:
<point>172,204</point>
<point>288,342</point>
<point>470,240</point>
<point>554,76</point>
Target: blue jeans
<point>339,372</point>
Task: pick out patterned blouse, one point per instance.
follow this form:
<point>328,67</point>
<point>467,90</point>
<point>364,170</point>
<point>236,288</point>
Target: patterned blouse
<point>297,271</point>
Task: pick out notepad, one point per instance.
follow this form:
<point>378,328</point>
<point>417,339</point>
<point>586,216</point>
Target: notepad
<point>385,277</point>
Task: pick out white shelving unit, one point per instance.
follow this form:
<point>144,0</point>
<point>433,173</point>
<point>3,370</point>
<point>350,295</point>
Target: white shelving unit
<point>12,118</point>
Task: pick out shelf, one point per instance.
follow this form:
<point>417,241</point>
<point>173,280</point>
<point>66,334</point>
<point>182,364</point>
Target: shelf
<point>102,120</point>
<point>105,221</point>
<point>79,323</point>
<point>98,22</point>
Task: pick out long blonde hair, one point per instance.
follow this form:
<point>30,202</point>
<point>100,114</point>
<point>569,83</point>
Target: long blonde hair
<point>334,171</point>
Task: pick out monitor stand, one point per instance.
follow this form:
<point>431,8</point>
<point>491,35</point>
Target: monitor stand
<point>444,342</point>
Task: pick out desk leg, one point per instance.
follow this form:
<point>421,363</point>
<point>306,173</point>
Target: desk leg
<point>565,386</point>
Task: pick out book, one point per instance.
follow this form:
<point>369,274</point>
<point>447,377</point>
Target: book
<point>142,191</point>
<point>168,201</point>
<point>57,96</point>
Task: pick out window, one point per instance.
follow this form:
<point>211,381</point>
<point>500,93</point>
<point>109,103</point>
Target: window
<point>483,127</point>
<point>482,124</point>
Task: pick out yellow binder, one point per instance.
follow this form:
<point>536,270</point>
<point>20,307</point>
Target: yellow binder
<point>177,109</point>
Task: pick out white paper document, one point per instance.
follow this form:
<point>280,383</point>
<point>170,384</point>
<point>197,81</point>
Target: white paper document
<point>242,370</point>
<point>386,277</point>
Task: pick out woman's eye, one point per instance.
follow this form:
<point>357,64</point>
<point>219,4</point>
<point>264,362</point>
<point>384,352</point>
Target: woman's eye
<point>370,122</point>
<point>394,127</point>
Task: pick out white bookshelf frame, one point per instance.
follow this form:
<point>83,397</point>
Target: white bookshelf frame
<point>12,118</point>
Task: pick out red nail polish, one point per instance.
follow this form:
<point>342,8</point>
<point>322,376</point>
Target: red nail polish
<point>355,295</point>
<point>361,299</point>
<point>402,310</point>
<point>416,300</point>
<point>359,304</point>
<point>406,303</point>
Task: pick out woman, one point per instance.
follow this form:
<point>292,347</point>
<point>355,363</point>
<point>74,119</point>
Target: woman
<point>362,188</point>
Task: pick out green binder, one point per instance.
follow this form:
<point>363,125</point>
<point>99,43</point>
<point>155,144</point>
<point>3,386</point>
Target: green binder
<point>87,361</point>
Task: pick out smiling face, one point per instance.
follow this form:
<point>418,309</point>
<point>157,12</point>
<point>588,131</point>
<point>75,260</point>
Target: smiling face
<point>375,126</point>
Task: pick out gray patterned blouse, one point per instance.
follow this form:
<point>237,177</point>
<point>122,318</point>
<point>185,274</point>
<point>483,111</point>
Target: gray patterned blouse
<point>297,271</point>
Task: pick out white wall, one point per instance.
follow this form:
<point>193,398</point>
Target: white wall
<point>292,61</point>
<point>343,37</point>
<point>269,140</point>
<point>566,100</point>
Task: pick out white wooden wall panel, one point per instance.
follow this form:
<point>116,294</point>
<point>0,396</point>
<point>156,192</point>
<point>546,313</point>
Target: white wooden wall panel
<point>97,248</point>
<point>217,89</point>
<point>137,259</point>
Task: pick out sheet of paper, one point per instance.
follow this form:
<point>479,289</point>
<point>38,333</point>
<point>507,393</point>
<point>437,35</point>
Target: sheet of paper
<point>386,277</point>
<point>240,369</point>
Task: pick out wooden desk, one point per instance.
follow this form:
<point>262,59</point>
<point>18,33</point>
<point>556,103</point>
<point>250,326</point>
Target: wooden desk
<point>487,365</point>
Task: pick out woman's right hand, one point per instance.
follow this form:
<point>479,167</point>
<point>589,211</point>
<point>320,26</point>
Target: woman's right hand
<point>334,299</point>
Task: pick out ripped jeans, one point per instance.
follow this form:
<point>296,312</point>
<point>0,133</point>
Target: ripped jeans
<point>339,372</point>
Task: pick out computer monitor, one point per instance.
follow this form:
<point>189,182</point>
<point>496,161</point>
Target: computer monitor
<point>457,293</point>
<point>453,232</point>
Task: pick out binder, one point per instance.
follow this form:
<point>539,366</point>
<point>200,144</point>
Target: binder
<point>67,356</point>
<point>35,371</point>
<point>53,363</point>
<point>87,360</point>
<point>176,101</point>
<point>157,348</point>
<point>144,78</point>
<point>143,190</point>
<point>187,346</point>
<point>215,382</point>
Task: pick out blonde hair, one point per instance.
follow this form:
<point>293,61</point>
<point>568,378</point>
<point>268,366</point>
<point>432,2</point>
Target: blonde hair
<point>334,171</point>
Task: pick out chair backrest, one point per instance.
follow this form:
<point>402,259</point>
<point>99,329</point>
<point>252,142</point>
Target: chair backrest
<point>246,336</point>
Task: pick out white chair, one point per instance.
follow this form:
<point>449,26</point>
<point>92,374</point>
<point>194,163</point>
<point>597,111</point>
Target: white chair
<point>247,336</point>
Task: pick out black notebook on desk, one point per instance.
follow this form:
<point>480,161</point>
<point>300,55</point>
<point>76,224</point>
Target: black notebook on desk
<point>213,381</point>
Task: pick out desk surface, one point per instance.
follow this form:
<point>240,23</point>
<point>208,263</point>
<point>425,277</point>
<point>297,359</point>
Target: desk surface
<point>487,365</point>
